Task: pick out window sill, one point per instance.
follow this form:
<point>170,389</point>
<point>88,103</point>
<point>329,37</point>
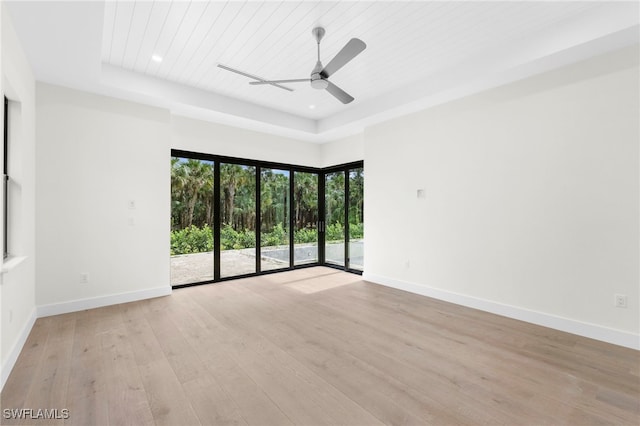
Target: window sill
<point>10,263</point>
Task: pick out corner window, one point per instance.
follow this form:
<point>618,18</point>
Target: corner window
<point>234,217</point>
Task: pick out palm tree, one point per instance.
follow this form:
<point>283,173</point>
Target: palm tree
<point>205,196</point>
<point>335,197</point>
<point>178,183</point>
<point>238,187</point>
<point>305,199</point>
<point>191,187</point>
<point>267,191</point>
<point>356,190</point>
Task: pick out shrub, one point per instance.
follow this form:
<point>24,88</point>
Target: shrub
<point>305,235</point>
<point>228,237</point>
<point>356,230</point>
<point>335,232</point>
<point>232,239</point>
<point>192,240</point>
<point>198,240</point>
<point>278,236</point>
<point>245,239</point>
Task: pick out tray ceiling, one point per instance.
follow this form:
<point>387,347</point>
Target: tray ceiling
<point>418,53</point>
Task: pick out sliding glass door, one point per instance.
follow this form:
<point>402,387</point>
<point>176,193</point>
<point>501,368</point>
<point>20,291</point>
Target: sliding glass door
<point>305,218</point>
<point>344,217</point>
<point>192,220</point>
<point>237,220</point>
<point>233,218</point>
<point>334,218</point>
<point>275,249</point>
<point>356,218</point>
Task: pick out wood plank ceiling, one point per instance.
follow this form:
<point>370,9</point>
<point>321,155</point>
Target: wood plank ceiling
<point>406,42</point>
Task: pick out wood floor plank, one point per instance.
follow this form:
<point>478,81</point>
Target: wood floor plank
<point>186,364</point>
<point>575,369</point>
<point>533,401</point>
<point>494,373</point>
<point>316,346</point>
<point>355,365</point>
<point>87,397</point>
<point>212,404</point>
<point>21,378</point>
<point>128,403</point>
<point>167,401</point>
<point>204,334</point>
<point>289,382</point>
<point>49,390</point>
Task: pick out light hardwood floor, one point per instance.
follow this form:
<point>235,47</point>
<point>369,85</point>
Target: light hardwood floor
<point>316,346</point>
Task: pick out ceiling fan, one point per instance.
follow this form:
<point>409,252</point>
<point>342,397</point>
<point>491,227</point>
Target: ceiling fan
<point>320,74</point>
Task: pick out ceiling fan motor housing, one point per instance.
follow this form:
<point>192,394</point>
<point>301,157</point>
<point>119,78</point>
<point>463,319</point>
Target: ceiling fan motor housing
<point>317,82</point>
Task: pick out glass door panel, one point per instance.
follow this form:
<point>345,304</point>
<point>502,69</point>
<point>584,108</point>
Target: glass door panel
<point>237,220</point>
<point>334,218</point>
<point>305,218</point>
<point>356,219</point>
<point>274,219</point>
<point>192,221</point>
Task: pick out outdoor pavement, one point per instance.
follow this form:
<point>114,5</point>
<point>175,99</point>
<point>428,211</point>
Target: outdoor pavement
<point>198,267</point>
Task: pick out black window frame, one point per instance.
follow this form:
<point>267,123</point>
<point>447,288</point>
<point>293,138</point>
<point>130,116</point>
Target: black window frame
<point>292,169</point>
<point>346,169</point>
<point>5,180</point>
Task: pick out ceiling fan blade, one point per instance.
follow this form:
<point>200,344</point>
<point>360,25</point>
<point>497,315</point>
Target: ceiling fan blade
<point>340,94</point>
<point>255,77</point>
<point>299,80</point>
<point>350,50</point>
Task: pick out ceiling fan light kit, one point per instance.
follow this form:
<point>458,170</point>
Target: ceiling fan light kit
<point>319,83</point>
<point>320,74</point>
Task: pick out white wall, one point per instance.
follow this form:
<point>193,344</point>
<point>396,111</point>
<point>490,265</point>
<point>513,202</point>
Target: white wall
<point>532,195</point>
<point>344,150</point>
<point>95,155</point>
<point>212,138</point>
<point>17,285</point>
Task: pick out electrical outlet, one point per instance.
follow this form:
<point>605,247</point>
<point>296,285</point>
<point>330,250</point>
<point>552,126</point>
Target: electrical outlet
<point>620,300</point>
<point>84,278</point>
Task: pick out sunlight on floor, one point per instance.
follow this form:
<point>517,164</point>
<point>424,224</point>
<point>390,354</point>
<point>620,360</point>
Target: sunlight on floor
<point>325,282</point>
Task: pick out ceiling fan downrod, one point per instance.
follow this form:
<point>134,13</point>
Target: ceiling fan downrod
<point>317,82</point>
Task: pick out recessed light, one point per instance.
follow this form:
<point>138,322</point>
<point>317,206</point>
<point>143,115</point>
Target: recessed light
<point>156,58</point>
<point>312,107</point>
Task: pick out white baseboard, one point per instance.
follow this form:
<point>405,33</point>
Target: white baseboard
<point>16,349</point>
<point>98,302</point>
<point>593,331</point>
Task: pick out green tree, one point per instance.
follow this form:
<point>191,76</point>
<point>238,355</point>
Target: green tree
<point>274,200</point>
<point>191,193</point>
<point>356,199</point>
<point>305,199</point>
<point>334,198</point>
